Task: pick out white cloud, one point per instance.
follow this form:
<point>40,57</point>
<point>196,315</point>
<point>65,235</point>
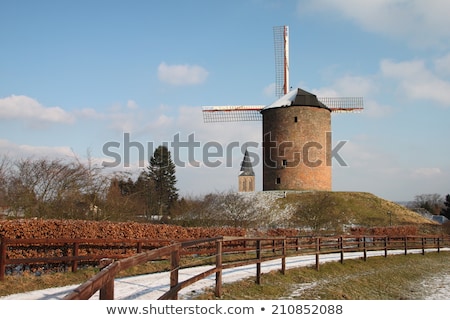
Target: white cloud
<point>89,113</point>
<point>269,91</point>
<point>374,109</point>
<point>417,81</point>
<point>412,78</point>
<point>442,65</point>
<point>180,75</point>
<point>356,86</point>
<point>28,109</point>
<point>24,150</point>
<point>348,86</point>
<point>131,104</point>
<point>123,122</point>
<point>426,172</point>
<point>161,122</point>
<point>419,22</point>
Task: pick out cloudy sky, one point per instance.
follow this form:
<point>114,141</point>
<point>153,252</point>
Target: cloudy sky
<point>111,80</point>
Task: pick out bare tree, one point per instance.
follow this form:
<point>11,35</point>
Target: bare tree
<point>317,214</point>
<point>239,211</point>
<point>432,202</point>
<point>5,165</point>
<point>54,188</point>
<point>219,209</point>
<point>39,186</point>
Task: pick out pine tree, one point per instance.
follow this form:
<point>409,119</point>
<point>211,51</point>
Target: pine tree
<point>446,210</point>
<point>161,172</point>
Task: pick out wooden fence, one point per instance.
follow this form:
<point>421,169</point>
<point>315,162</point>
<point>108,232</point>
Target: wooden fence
<point>225,252</point>
<point>41,252</point>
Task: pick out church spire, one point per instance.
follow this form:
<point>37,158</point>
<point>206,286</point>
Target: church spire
<point>247,176</point>
<point>246,166</point>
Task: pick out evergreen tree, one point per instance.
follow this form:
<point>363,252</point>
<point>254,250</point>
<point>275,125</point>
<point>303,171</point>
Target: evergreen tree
<point>161,172</point>
<point>446,210</point>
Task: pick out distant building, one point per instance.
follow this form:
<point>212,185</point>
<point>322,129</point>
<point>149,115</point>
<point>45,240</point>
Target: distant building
<point>247,176</point>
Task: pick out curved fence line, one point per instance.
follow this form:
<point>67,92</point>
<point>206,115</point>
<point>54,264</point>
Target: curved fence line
<point>222,253</point>
<point>264,249</point>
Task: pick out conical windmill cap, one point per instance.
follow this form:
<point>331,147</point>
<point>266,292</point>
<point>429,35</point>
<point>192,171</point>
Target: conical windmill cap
<point>297,97</point>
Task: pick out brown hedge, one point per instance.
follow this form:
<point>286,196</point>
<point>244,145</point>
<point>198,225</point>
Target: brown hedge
<point>53,229</point>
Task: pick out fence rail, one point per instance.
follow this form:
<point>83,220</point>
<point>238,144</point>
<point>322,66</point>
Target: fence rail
<point>246,251</point>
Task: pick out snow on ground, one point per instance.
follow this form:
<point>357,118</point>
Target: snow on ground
<point>436,287</point>
<point>152,286</point>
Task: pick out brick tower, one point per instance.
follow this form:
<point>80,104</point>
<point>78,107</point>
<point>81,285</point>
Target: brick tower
<point>297,143</point>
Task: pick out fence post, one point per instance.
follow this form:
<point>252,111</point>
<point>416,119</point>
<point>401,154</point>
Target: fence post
<point>2,258</point>
<point>174,266</point>
<point>218,290</point>
<point>406,245</point>
<point>258,264</point>
<point>341,247</point>
<point>317,253</point>
<point>283,259</point>
<point>107,291</point>
<point>364,248</point>
<point>75,255</point>
<point>385,246</point>
<point>438,244</point>
<point>423,245</point>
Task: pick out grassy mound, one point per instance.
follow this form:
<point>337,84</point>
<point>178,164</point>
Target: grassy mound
<point>356,208</point>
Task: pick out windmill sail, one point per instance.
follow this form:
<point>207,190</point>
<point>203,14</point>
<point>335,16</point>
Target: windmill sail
<point>232,113</point>
<point>281,46</point>
<point>252,113</point>
<point>343,104</point>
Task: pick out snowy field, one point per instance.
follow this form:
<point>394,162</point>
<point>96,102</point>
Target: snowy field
<point>152,286</point>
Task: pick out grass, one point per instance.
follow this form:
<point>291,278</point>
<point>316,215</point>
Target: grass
<point>393,278</point>
<point>29,282</point>
<point>361,208</point>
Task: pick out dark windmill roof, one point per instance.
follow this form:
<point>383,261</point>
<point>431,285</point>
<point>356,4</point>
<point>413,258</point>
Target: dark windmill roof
<point>246,166</point>
<point>297,97</point>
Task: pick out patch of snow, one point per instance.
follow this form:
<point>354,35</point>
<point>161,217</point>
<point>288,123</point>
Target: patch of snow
<point>436,288</point>
<point>284,101</point>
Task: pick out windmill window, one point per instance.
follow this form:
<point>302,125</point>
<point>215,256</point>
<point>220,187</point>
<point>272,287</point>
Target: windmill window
<point>295,119</point>
<point>278,180</point>
<point>284,162</point>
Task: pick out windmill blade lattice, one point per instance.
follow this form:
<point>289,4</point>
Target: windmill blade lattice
<point>232,113</point>
<point>253,113</point>
<point>343,104</point>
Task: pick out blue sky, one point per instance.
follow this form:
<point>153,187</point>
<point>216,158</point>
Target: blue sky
<point>77,75</point>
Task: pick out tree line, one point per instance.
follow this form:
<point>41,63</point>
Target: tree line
<point>434,203</point>
<point>69,189</point>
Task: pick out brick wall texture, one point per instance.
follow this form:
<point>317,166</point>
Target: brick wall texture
<point>297,148</point>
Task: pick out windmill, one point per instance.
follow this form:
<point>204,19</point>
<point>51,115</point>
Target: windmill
<point>296,128</point>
